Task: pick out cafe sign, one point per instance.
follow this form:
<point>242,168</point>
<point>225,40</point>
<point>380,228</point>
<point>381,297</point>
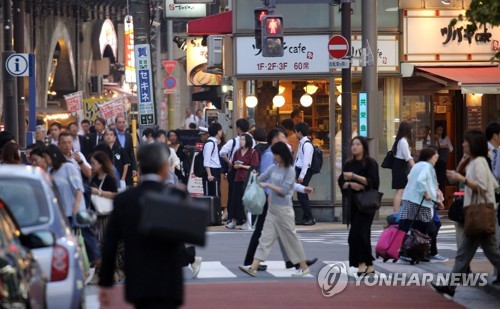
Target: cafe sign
<point>429,37</point>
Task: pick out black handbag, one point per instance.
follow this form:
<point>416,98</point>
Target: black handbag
<point>388,160</point>
<point>170,218</point>
<point>368,202</point>
<point>456,210</point>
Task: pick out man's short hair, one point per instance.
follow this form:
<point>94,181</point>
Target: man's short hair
<point>159,133</point>
<point>57,124</point>
<point>64,134</point>
<point>288,124</point>
<point>42,128</point>
<point>153,157</point>
<point>302,128</point>
<point>214,129</point>
<point>117,117</point>
<point>272,134</point>
<point>492,129</point>
<point>101,120</point>
<point>71,124</point>
<point>147,132</point>
<point>85,121</point>
<point>243,125</point>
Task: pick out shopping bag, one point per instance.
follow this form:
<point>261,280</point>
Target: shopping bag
<point>254,197</point>
<point>83,251</point>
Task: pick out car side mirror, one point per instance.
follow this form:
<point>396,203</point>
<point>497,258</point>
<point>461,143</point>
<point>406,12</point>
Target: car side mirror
<point>38,239</point>
<point>86,217</point>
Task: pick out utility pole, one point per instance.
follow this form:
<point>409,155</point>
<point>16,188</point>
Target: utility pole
<point>19,15</point>
<point>346,84</point>
<point>9,81</point>
<point>369,11</point>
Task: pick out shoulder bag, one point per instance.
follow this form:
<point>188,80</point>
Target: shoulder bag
<point>103,206</point>
<point>368,201</point>
<point>388,160</point>
<point>456,210</point>
<point>479,218</point>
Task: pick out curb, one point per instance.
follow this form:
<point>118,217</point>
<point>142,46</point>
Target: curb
<point>492,289</point>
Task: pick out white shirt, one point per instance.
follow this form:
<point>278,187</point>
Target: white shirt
<point>210,153</point>
<point>175,162</point>
<point>190,119</point>
<point>226,149</point>
<point>445,142</point>
<point>82,157</point>
<point>403,150</point>
<point>304,156</point>
<point>76,144</point>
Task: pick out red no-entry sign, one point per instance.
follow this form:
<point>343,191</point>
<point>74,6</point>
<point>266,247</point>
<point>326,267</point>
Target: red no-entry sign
<point>338,47</point>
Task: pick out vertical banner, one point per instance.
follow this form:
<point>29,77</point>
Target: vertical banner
<point>118,107</point>
<point>74,101</point>
<point>363,114</point>
<point>145,85</point>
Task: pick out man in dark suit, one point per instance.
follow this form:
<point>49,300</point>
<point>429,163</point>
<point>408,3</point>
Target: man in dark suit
<point>80,142</point>
<point>97,137</point>
<point>124,139</point>
<point>153,272</point>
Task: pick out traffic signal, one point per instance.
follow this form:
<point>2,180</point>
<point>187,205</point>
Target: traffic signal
<point>272,36</point>
<point>259,13</point>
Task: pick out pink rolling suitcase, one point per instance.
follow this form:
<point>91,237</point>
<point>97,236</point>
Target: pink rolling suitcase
<point>389,243</point>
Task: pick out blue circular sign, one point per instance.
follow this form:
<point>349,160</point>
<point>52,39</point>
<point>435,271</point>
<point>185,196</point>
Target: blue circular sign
<point>170,82</point>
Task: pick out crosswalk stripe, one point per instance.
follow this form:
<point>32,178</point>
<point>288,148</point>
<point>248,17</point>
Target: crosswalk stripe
<point>92,302</point>
<point>214,269</point>
<point>278,269</point>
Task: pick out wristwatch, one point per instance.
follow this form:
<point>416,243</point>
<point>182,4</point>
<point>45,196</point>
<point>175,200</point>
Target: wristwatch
<point>80,162</point>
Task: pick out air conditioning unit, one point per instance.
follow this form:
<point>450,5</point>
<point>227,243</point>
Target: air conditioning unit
<point>214,45</point>
<point>96,84</point>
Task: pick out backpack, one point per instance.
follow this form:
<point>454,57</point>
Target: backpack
<point>224,166</point>
<point>317,158</point>
<point>198,167</point>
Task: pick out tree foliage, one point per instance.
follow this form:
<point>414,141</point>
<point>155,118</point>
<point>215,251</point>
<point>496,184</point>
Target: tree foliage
<point>481,14</point>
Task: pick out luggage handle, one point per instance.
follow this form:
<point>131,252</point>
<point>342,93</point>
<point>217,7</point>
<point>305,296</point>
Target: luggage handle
<point>216,187</point>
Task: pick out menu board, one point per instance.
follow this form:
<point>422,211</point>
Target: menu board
<point>474,117</point>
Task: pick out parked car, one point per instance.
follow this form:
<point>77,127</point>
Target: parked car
<point>22,282</point>
<point>29,193</point>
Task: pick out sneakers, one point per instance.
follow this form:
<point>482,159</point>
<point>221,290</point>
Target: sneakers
<point>404,260</point>
<point>438,258</point>
<point>196,266</point>
<point>245,226</point>
<point>444,289</point>
<point>231,225</point>
<point>248,270</point>
<point>301,273</point>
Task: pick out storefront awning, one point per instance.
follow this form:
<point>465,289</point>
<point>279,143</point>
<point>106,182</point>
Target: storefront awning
<point>214,24</point>
<point>470,79</point>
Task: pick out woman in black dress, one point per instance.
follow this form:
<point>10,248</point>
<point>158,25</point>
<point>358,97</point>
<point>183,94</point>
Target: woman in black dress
<point>360,173</point>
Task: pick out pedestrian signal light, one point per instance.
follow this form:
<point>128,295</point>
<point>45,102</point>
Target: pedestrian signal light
<point>259,14</point>
<point>272,36</point>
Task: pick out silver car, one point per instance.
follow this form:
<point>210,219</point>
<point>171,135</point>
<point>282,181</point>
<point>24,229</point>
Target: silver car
<point>28,191</point>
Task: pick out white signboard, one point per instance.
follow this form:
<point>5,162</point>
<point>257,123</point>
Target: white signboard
<point>190,10</point>
<point>428,37</point>
<point>304,54</point>
<point>18,65</point>
<point>339,63</point>
<point>307,54</point>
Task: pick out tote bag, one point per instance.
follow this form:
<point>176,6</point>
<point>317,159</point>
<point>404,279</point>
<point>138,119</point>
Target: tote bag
<point>103,206</point>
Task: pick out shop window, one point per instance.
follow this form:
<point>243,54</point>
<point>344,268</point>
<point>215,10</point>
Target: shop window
<point>417,110</point>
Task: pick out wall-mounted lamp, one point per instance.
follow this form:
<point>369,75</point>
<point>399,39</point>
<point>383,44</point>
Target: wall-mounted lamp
<point>251,100</point>
<point>478,94</point>
<point>310,89</point>
<point>447,2</point>
<point>278,100</point>
<point>180,42</point>
<point>339,100</point>
<point>306,100</point>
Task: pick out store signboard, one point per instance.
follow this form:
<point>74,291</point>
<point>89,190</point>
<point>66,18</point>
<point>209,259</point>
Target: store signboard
<point>129,50</point>
<point>187,10</point>
<point>304,54</point>
<point>145,85</point>
<point>428,37</point>
<point>307,54</point>
<point>363,114</point>
<point>197,64</point>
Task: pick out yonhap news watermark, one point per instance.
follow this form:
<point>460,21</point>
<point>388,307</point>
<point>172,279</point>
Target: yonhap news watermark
<point>334,278</point>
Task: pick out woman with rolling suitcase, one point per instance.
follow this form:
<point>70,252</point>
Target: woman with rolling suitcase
<point>358,174</point>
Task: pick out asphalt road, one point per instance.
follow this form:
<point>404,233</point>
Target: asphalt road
<point>221,284</point>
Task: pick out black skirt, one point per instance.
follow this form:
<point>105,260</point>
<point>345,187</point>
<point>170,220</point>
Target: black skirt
<point>399,174</point>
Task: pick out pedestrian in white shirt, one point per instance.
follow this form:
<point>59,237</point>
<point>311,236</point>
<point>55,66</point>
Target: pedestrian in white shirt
<point>190,118</point>
<point>211,161</point>
<point>402,160</point>
<point>303,171</point>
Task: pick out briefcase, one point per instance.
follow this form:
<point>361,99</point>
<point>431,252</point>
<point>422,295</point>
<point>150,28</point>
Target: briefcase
<point>168,218</point>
